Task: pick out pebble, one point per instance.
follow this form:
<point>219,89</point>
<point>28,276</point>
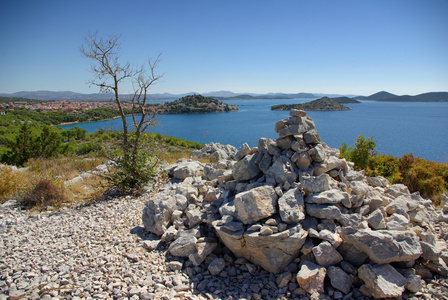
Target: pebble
<point>101,251</point>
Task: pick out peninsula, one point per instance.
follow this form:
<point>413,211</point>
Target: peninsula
<point>322,104</point>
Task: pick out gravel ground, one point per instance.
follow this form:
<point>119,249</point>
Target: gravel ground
<point>95,252</point>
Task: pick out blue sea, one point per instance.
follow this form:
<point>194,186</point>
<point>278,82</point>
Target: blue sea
<point>397,128</point>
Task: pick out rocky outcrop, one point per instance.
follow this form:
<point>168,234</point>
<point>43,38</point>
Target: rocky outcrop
<point>291,204</point>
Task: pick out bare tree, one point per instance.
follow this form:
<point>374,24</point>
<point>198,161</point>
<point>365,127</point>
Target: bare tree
<point>109,75</point>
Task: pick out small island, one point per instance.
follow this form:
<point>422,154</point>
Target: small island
<point>194,104</point>
<point>322,104</point>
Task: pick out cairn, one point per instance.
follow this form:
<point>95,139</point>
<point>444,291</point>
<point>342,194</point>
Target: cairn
<point>292,201</point>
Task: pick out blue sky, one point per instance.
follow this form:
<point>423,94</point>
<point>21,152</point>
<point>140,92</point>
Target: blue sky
<point>344,47</point>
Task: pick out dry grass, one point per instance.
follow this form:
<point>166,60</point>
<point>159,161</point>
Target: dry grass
<point>42,184</point>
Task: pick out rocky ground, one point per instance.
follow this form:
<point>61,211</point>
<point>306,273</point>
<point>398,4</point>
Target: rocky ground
<point>96,252</point>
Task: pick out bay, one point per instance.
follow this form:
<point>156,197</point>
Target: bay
<point>397,128</point>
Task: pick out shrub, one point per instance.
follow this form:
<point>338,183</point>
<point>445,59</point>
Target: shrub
<point>383,165</point>
<point>427,177</point>
<point>45,193</point>
<point>359,154</point>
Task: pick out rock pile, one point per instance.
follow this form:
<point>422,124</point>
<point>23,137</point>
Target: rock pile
<point>294,208</point>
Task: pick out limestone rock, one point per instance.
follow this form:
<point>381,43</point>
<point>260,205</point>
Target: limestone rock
<point>183,246</point>
<point>187,168</point>
<point>339,279</point>
<point>272,252</point>
<point>333,196</point>
<point>323,211</point>
<point>246,168</point>
<point>242,151</point>
<point>311,277</point>
<point>157,214</point>
<point>384,246</point>
<point>326,255</point>
<point>315,184</point>
<point>256,204</point>
<point>382,281</point>
<point>216,266</point>
<point>291,206</point>
<point>282,170</point>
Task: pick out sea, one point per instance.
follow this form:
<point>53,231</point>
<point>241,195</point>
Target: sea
<point>397,128</point>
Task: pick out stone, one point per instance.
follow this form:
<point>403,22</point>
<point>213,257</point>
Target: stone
<point>203,250</point>
<point>157,214</point>
<point>378,181</point>
<point>326,255</point>
<point>397,222</point>
<point>282,170</point>
<point>242,151</point>
<point>311,277</point>
<point>303,160</point>
<point>216,266</point>
<point>339,279</point>
<point>315,184</point>
<point>323,211</point>
<point>311,137</point>
<point>272,252</point>
<point>183,246</point>
<point>215,152</point>
<point>246,168</point>
<point>333,196</point>
<point>384,246</point>
<point>413,282</point>
<point>283,279</point>
<point>401,204</point>
<point>187,168</point>
<point>382,281</point>
<point>256,204</point>
<point>376,219</point>
<point>430,252</point>
<point>297,113</point>
<point>291,206</point>
<point>317,153</point>
<point>360,188</point>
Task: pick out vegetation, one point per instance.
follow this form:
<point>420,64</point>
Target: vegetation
<point>324,103</point>
<point>135,165</point>
<point>195,104</point>
<point>419,175</point>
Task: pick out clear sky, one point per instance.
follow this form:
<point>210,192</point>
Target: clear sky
<point>345,47</point>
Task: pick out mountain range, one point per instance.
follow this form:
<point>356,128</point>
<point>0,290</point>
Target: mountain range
<point>388,97</point>
<point>228,95</point>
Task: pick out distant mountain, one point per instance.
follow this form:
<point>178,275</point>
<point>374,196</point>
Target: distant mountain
<point>380,96</point>
<point>425,97</point>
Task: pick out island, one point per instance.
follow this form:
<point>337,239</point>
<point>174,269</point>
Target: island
<point>322,104</point>
<point>193,104</point>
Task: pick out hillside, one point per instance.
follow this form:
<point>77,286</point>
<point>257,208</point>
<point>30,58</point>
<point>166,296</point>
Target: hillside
<point>322,104</point>
<point>345,100</point>
<point>425,97</point>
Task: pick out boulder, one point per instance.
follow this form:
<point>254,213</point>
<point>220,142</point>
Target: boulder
<point>333,196</point>
<point>157,213</point>
<point>323,211</point>
<point>326,255</point>
<point>315,184</point>
<point>256,204</point>
<point>187,168</point>
<point>282,170</point>
<point>246,168</point>
<point>381,281</point>
<point>291,206</point>
<point>215,152</point>
<point>242,151</point>
<point>339,279</point>
<point>183,246</point>
<point>272,252</point>
<point>311,277</point>
<point>383,246</point>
